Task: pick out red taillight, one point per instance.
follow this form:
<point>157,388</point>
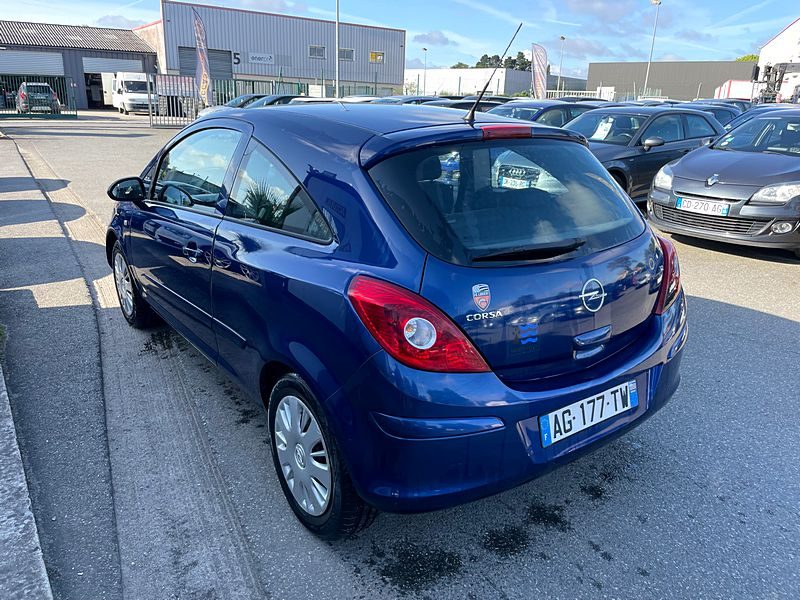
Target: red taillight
<point>22,95</point>
<point>55,97</point>
<point>390,313</point>
<point>670,278</point>
<point>493,132</point>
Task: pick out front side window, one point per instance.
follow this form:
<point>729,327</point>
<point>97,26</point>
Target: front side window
<point>698,127</point>
<point>265,193</point>
<point>667,127</point>
<point>608,128</point>
<point>466,202</point>
<point>193,171</point>
<point>316,52</point>
<point>376,57</point>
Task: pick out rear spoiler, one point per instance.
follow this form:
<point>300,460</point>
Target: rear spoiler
<point>380,147</point>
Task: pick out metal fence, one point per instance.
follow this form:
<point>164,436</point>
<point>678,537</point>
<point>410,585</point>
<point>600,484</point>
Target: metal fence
<point>582,93</point>
<point>37,96</point>
<point>178,101</point>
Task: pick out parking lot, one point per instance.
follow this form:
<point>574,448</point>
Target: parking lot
<point>151,475</point>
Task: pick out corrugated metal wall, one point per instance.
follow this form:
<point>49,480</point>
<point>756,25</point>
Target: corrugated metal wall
<point>30,62</point>
<point>245,33</point>
<point>675,79</point>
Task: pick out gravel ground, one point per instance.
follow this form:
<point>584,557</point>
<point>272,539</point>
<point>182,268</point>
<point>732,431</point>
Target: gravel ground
<point>702,501</point>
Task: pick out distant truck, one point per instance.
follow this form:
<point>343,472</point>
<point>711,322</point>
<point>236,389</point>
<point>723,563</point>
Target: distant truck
<point>780,82</point>
<point>129,93</point>
<point>738,89</point>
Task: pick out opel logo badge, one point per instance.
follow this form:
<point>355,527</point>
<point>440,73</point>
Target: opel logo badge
<point>712,180</point>
<point>593,295</point>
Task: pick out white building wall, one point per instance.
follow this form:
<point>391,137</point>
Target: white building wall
<point>784,47</point>
<point>443,82</point>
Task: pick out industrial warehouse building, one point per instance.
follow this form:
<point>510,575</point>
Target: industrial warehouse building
<point>680,80</point>
<point>244,44</point>
<point>78,54</point>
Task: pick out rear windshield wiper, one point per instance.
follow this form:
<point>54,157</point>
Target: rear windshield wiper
<point>531,252</point>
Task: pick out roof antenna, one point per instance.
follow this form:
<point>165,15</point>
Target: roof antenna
<point>470,117</point>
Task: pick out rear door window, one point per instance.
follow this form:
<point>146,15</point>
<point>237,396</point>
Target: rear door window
<point>466,201</point>
<point>667,127</point>
<point>267,194</point>
<point>698,127</point>
<point>555,117</point>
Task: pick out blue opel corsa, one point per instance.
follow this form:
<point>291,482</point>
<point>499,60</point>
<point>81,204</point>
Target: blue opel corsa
<point>419,338</point>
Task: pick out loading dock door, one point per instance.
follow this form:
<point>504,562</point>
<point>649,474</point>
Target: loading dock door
<point>219,62</point>
<point>24,62</point>
<point>111,65</point>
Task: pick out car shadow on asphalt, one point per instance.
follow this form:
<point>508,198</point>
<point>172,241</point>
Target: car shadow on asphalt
<point>23,184</point>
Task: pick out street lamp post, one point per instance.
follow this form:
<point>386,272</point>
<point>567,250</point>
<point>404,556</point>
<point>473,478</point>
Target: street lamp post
<point>560,63</point>
<point>336,83</point>
<point>652,44</point>
<point>425,73</point>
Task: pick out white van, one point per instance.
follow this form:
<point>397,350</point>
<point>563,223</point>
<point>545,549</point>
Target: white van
<point>130,93</point>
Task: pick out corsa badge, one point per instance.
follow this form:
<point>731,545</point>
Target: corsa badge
<point>481,295</point>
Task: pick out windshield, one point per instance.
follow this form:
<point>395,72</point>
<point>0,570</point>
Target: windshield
<point>135,86</point>
<point>465,201</point>
<point>519,112</point>
<point>779,134</point>
<point>608,128</point>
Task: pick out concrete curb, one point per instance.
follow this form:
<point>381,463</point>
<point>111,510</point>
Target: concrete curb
<point>22,570</point>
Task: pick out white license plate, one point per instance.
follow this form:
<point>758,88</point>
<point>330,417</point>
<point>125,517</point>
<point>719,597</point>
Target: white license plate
<point>574,418</point>
<point>704,207</point>
<point>513,183</point>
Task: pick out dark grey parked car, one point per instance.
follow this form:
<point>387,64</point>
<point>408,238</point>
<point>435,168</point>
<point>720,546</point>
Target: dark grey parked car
<point>634,142</point>
<point>744,188</point>
<point>546,112</point>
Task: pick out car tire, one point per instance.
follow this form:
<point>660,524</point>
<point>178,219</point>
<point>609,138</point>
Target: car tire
<point>134,308</point>
<point>293,414</point>
<point>797,253</point>
<point>125,111</point>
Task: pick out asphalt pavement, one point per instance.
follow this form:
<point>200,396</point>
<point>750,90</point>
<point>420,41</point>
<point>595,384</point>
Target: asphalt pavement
<point>701,501</point>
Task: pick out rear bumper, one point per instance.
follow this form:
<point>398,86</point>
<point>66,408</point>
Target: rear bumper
<point>417,441</point>
<point>661,207</point>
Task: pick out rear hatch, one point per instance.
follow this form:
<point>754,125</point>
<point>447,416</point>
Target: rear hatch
<point>534,252</point>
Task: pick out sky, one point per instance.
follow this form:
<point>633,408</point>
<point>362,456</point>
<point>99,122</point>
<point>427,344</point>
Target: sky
<point>463,30</point>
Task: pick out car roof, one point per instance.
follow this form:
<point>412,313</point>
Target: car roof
<point>634,109</point>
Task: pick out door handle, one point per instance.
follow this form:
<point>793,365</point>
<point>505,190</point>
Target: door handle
<point>192,253</point>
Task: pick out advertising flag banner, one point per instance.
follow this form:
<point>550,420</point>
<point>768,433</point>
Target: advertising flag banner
<point>539,71</point>
<point>202,73</point>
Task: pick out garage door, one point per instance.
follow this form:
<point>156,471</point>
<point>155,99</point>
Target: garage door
<point>111,65</point>
<point>22,62</point>
<point>219,61</point>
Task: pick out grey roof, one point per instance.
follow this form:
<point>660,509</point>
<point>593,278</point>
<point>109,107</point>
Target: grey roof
<point>20,33</point>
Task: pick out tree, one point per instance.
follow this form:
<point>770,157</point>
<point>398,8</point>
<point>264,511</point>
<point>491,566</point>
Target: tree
<point>748,58</point>
<point>483,62</point>
<point>510,63</point>
<point>460,65</point>
<point>523,64</point>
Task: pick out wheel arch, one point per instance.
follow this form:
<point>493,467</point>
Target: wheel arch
<point>111,239</point>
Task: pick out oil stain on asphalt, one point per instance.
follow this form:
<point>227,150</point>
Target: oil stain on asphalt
<point>411,568</point>
<point>506,541</point>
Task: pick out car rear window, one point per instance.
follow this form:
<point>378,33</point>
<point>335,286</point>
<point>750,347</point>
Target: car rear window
<point>39,89</point>
<point>466,201</point>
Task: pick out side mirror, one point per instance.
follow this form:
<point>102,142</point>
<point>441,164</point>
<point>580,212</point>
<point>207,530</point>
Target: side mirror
<point>653,142</point>
<point>127,189</point>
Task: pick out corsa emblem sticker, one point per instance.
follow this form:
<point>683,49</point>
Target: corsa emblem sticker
<point>482,295</point>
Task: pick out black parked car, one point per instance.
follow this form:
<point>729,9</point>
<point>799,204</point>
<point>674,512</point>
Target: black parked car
<point>744,188</point>
<point>484,105</point>
<point>547,112</point>
<point>500,99</point>
<point>634,142</point>
<point>754,112</point>
<point>722,113</point>
<point>742,105</point>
